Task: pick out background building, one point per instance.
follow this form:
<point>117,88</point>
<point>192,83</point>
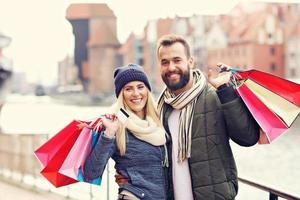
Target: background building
<point>96,45</point>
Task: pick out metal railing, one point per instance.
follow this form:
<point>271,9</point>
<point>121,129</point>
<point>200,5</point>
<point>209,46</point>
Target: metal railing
<point>273,193</point>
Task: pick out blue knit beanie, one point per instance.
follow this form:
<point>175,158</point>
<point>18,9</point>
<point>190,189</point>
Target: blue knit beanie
<point>128,73</point>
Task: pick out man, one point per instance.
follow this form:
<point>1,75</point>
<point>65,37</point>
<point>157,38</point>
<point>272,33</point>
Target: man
<point>200,118</point>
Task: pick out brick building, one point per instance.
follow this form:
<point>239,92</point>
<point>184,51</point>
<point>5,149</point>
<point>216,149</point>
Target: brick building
<point>254,40</point>
<point>96,45</point>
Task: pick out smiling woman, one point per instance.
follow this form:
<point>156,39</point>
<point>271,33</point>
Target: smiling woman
<point>136,144</point>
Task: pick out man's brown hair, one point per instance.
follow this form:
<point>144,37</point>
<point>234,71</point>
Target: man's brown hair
<point>170,39</point>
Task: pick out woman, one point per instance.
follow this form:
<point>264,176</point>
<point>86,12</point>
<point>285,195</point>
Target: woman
<point>136,145</point>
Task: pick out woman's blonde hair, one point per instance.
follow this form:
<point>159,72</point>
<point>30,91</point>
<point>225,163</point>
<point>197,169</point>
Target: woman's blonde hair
<point>151,111</point>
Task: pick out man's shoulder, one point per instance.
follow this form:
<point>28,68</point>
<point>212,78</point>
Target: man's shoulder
<point>207,101</point>
<point>208,92</point>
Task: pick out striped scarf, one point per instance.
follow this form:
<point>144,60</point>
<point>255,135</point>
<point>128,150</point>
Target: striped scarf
<point>186,103</point>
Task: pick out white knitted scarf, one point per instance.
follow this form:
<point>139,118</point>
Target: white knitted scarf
<point>146,130</point>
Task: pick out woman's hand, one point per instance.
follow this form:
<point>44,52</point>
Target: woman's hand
<point>111,124</point>
<point>82,125</point>
<point>217,78</point>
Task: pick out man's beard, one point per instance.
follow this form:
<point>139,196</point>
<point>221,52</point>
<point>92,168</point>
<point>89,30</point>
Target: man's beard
<point>184,79</point>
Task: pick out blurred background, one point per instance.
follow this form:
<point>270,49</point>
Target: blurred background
<point>57,60</point>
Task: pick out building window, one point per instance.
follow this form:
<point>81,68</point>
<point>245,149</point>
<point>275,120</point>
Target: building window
<point>292,55</point>
<point>140,48</point>
<point>272,51</point>
<point>293,72</point>
<point>270,35</point>
<point>141,61</point>
<point>273,67</point>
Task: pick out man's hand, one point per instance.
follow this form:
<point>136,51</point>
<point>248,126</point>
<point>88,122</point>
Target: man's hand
<point>217,78</point>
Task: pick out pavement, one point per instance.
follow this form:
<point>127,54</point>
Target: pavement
<point>10,191</point>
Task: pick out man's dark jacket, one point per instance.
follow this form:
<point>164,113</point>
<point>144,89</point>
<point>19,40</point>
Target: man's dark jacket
<point>219,116</point>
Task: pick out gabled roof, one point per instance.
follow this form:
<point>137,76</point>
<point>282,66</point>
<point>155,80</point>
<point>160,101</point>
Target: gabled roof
<point>245,27</point>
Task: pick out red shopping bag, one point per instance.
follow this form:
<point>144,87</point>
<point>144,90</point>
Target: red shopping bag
<point>282,87</point>
<point>54,151</point>
<point>51,173</point>
<point>47,151</point>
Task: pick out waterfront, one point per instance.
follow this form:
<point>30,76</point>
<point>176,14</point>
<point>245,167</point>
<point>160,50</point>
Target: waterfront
<point>277,165</point>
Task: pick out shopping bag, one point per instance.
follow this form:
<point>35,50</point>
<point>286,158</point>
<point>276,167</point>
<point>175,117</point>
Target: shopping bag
<point>53,153</point>
<point>50,172</point>
<point>276,101</point>
<point>286,110</point>
<point>269,122</point>
<point>47,151</point>
<point>74,162</point>
<point>282,87</point>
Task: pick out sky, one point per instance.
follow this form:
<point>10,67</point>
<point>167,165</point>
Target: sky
<point>41,36</point>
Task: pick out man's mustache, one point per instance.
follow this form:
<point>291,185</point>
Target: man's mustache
<point>173,72</point>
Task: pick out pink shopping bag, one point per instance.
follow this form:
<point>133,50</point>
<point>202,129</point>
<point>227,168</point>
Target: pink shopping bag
<point>269,122</point>
<point>74,162</point>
